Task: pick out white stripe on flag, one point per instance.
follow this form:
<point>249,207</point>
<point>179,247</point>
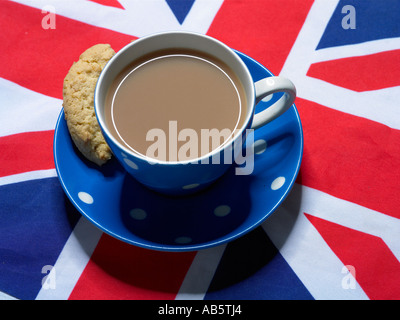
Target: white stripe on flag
<point>24,110</point>
<point>72,261</point>
<point>305,250</point>
<point>201,272</point>
<point>26,176</point>
<point>138,18</point>
<point>300,244</point>
<point>201,15</point>
<point>355,50</point>
<point>301,55</point>
<point>5,296</point>
<point>377,105</point>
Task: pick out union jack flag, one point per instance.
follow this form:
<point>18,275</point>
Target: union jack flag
<point>336,236</point>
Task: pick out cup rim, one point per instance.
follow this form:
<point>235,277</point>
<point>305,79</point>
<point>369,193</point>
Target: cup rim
<point>239,131</point>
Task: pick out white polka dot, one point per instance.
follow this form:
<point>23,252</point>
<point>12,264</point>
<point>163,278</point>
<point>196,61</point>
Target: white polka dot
<point>85,197</point>
<point>190,186</point>
<point>259,146</point>
<point>278,183</point>
<point>123,154</point>
<point>138,214</point>
<point>222,211</point>
<point>131,163</point>
<point>183,240</point>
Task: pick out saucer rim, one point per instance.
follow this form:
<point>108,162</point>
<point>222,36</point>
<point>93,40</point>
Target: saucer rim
<point>148,244</point>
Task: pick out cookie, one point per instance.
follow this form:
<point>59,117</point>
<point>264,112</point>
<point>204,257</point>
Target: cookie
<point>78,96</point>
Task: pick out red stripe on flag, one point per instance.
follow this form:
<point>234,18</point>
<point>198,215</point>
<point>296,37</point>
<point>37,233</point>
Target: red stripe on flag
<point>378,274</point>
<point>351,158</point>
<point>370,72</point>
<point>25,152</point>
<point>38,58</point>
<point>118,270</point>
<point>265,30</point>
<point>109,3</point>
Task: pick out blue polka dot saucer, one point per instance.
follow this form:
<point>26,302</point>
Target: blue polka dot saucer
<point>232,206</point>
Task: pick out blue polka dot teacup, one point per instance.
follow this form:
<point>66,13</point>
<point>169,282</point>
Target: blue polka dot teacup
<point>153,93</point>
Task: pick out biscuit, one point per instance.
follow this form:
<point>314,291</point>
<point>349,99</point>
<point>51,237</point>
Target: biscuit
<point>78,97</point>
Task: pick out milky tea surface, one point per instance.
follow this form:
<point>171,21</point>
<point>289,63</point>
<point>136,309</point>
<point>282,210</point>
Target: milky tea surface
<point>164,104</point>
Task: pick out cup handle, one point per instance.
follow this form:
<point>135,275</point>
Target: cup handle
<point>269,86</point>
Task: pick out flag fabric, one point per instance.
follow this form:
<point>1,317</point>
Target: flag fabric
<point>337,234</point>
